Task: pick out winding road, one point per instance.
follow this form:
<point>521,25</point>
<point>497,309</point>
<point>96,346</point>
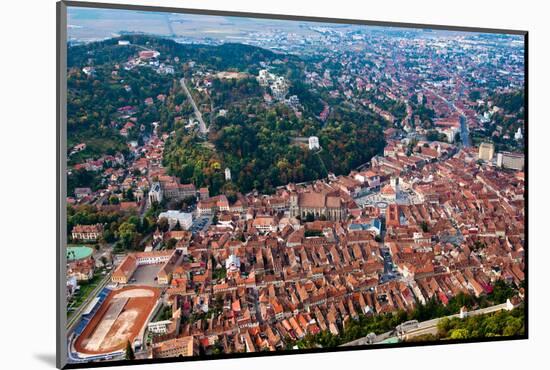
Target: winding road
<point>202,126</point>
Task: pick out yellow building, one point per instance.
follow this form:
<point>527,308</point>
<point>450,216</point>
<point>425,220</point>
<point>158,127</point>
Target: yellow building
<point>184,346</point>
<point>486,151</point>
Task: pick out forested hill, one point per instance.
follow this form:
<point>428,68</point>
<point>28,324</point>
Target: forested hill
<point>258,140</point>
<point>225,56</point>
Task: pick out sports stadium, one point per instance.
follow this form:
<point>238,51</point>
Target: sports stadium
<point>112,319</point>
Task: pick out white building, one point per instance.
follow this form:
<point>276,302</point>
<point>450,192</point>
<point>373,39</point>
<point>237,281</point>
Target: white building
<point>173,217</point>
<point>227,174</point>
<point>265,224</point>
<point>368,177</point>
<point>264,77</point>
<point>169,70</point>
<point>293,101</point>
<point>72,286</point>
<point>313,143</point>
<point>155,194</point>
<point>159,327</point>
<point>123,42</point>
<point>153,258</point>
<point>394,182</point>
<point>88,70</point>
<point>279,88</point>
<point>518,135</point>
<point>449,132</point>
<point>233,263</point>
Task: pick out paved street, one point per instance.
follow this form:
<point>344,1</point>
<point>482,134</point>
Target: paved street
<point>464,132</point>
<point>202,126</point>
<point>389,273</point>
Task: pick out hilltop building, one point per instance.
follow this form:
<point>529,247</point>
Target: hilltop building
<point>313,143</point>
<point>518,135</point>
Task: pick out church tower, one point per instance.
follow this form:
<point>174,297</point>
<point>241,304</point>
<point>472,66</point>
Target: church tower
<point>294,207</point>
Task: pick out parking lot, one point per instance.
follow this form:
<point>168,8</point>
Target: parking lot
<point>145,275</point>
<point>200,223</point>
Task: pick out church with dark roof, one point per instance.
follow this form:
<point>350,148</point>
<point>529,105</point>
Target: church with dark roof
<point>327,204</point>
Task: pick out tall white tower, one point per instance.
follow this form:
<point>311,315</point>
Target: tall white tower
<point>227,174</point>
<point>394,183</point>
<point>313,143</point>
<point>518,135</point>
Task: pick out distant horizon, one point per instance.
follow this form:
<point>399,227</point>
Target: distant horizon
<point>95,24</point>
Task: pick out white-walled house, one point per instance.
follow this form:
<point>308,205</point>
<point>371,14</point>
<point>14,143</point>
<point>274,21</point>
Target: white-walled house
<point>173,217</point>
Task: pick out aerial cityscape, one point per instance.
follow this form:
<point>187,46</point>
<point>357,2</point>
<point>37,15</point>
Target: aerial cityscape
<point>241,185</point>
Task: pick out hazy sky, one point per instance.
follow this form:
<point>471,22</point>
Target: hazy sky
<point>89,24</point>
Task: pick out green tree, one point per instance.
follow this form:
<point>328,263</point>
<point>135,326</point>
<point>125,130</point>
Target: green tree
<point>434,135</point>
<point>171,243</point>
<point>459,334</point>
<point>127,234</point>
<point>502,291</point>
<point>129,195</point>
<point>129,351</point>
<point>443,327</point>
<point>189,201</point>
<point>163,224</point>
<point>104,260</point>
